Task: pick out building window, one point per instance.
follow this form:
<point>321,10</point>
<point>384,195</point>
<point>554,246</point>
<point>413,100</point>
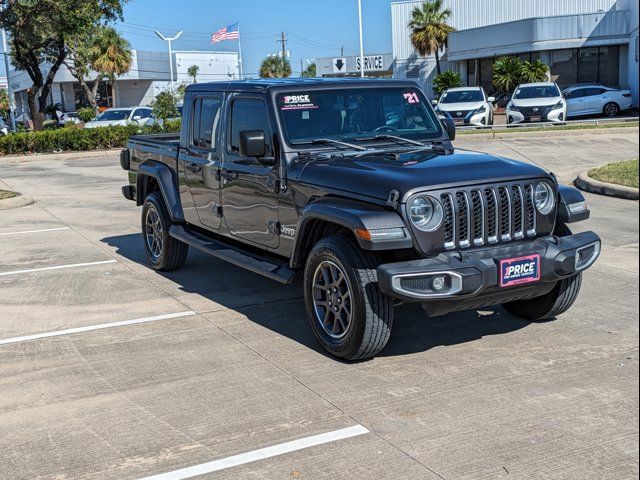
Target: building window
<point>486,74</point>
<point>472,73</point>
<point>588,65</point>
<point>413,70</point>
<point>564,66</point>
<point>609,66</point>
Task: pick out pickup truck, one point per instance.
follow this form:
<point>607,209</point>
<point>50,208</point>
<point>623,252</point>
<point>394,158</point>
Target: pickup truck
<point>354,188</point>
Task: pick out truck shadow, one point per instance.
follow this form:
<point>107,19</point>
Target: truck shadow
<point>281,309</point>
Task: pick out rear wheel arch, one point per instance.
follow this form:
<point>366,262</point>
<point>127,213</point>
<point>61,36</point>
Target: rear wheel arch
<point>155,176</point>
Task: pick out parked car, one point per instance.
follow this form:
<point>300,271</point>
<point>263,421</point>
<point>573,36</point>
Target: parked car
<point>4,130</point>
<point>537,102</point>
<point>293,178</point>
<point>68,117</point>
<point>596,100</point>
<point>122,116</point>
<point>466,106</point>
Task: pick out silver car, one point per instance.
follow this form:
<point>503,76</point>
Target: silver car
<point>122,116</point>
<point>596,100</point>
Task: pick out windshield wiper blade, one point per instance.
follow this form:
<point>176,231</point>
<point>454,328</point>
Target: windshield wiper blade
<point>389,137</point>
<point>329,141</point>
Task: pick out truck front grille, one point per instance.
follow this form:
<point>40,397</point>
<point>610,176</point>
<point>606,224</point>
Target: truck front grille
<point>488,215</point>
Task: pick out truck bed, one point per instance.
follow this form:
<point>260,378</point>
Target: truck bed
<point>160,145</point>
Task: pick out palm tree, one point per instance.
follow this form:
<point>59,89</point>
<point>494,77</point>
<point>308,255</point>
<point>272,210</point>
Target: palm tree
<point>429,29</point>
<point>446,80</point>
<point>111,56</point>
<point>535,71</point>
<point>507,73</point>
<point>275,67</point>
<point>192,71</point>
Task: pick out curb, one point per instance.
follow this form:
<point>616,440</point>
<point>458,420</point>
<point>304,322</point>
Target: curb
<point>522,133</point>
<point>65,155</point>
<point>588,184</point>
<point>15,202</point>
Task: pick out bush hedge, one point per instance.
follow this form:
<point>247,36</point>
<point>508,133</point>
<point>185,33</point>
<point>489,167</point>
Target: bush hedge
<point>62,139</point>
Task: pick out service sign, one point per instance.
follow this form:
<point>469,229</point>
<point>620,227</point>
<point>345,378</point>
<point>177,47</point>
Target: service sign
<point>371,63</point>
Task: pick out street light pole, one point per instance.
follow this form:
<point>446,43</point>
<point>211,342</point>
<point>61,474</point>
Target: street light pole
<point>12,115</point>
<point>361,44</point>
<point>169,40</point>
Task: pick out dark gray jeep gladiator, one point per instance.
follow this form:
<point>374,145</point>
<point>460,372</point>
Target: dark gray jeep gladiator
<point>354,187</point>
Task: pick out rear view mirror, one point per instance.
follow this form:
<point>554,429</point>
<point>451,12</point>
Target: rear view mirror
<point>450,127</point>
<point>252,143</point>
<point>434,102</point>
<point>491,99</point>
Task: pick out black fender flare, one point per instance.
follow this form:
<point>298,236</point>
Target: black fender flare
<point>352,215</point>
<point>167,182</point>
<point>571,196</point>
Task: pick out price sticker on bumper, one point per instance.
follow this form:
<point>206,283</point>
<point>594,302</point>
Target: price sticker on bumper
<point>516,271</point>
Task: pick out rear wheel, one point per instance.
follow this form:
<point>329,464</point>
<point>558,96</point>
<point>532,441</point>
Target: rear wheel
<point>164,252</point>
<point>349,315</point>
<point>611,109</point>
<point>554,303</point>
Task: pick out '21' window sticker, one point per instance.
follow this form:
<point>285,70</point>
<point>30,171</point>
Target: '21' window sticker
<point>411,97</point>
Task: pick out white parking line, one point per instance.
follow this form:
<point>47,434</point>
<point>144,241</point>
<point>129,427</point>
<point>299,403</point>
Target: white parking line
<point>23,232</point>
<point>58,267</point>
<point>261,454</point>
<point>95,327</point>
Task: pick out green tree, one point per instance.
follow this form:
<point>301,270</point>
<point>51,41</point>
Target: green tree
<point>507,73</point>
<point>4,103</point>
<point>192,71</point>
<point>111,55</point>
<point>446,80</point>
<point>535,71</point>
<point>44,29</point>
<point>86,114</point>
<point>275,67</point>
<point>311,71</point>
<point>429,29</point>
<point>164,106</point>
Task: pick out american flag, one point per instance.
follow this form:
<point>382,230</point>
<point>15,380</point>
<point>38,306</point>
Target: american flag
<point>232,32</point>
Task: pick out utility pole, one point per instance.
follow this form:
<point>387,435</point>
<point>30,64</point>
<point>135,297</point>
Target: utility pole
<point>361,44</point>
<point>283,41</point>
<point>342,51</point>
<point>12,115</point>
<point>169,40</point>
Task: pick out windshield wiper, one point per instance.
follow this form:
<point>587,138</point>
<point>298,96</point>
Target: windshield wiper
<point>388,137</point>
<point>329,141</point>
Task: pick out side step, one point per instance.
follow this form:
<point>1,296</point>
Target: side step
<point>278,272</point>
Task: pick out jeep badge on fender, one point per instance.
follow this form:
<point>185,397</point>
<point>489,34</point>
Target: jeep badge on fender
<point>354,187</point>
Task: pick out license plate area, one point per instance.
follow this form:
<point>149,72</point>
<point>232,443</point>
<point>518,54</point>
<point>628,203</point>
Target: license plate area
<point>458,121</point>
<point>519,271</point>
<point>535,118</point>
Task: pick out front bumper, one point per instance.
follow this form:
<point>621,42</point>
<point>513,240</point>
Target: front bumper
<point>473,274</point>
<point>556,115</point>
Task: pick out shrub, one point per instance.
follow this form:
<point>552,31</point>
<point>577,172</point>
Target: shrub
<point>446,80</point>
<point>86,114</point>
<point>73,139</point>
<point>164,106</point>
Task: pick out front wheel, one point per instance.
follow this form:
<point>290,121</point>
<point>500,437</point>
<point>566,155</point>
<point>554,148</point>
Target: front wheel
<point>611,109</point>
<point>164,252</point>
<point>349,315</point>
<point>554,303</point>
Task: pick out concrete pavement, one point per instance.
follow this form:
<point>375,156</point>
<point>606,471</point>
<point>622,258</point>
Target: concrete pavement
<point>470,395</point>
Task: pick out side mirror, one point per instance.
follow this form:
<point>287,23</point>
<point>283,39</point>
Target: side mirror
<point>137,118</point>
<point>450,127</point>
<point>491,99</point>
<point>434,102</point>
<point>252,143</point>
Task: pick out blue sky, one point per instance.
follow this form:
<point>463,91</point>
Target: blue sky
<point>315,28</point>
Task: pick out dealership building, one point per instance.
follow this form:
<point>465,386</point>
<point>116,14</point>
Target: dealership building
<point>148,75</point>
<point>582,41</point>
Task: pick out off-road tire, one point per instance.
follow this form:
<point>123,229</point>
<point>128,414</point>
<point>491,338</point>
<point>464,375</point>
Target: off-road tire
<point>173,253</point>
<point>372,311</point>
<point>611,109</point>
<point>554,303</point>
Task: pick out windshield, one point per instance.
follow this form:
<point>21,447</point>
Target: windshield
<point>113,115</point>
<point>540,91</point>
<point>462,96</point>
<point>348,114</point>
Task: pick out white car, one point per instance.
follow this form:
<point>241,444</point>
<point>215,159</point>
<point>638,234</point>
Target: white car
<point>466,106</point>
<point>68,117</point>
<point>4,130</point>
<point>596,100</point>
<point>122,116</point>
<point>537,102</point>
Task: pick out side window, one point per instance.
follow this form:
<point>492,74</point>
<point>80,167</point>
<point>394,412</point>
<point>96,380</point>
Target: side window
<point>579,93</point>
<point>206,116</point>
<point>592,92</point>
<point>249,114</point>
<point>142,113</point>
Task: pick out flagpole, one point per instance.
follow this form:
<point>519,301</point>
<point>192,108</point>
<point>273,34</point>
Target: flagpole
<point>240,52</point>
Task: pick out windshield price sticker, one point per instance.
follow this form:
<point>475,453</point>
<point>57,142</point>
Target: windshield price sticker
<point>411,97</point>
<point>298,102</point>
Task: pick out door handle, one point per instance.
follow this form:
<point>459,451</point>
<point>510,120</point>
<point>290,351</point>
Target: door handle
<point>194,167</point>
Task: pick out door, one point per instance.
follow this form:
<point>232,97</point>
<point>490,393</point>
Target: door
<point>249,184</point>
<point>575,102</point>
<point>200,162</point>
<point>594,100</point>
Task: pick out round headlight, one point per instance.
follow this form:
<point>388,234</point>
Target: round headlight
<point>426,213</point>
<point>544,198</point>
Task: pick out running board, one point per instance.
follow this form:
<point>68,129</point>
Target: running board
<point>280,273</point>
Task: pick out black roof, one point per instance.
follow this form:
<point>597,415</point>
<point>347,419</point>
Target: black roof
<point>266,84</point>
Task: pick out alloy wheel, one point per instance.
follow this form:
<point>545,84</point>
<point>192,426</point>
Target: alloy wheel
<point>153,233</point>
<point>332,299</point>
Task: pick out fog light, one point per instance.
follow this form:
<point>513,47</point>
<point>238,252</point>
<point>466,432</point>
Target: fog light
<point>438,284</point>
<point>585,256</point>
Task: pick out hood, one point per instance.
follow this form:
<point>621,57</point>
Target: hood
<point>105,123</point>
<point>535,102</point>
<point>452,107</point>
<point>375,174</point>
